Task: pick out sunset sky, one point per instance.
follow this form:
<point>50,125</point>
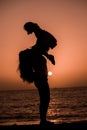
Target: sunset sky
<point>65,19</point>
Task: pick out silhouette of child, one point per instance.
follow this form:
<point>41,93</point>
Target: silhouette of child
<point>44,42</point>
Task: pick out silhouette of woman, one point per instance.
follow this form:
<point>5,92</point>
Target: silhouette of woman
<point>39,53</point>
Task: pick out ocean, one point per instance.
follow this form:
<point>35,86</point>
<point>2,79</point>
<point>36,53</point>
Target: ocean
<point>22,106</point>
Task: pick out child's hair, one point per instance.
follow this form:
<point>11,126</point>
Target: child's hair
<point>25,66</point>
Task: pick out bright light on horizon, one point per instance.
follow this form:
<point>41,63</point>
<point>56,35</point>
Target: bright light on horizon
<point>50,73</point>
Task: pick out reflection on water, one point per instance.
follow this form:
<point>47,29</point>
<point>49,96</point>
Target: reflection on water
<point>66,105</point>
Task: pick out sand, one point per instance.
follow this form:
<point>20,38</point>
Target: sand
<point>64,126</point>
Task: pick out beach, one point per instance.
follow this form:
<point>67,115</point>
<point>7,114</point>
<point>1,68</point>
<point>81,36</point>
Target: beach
<point>74,125</point>
<point>67,109</point>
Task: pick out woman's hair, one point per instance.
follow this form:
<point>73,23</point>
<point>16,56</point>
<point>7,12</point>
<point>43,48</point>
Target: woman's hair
<point>25,66</point>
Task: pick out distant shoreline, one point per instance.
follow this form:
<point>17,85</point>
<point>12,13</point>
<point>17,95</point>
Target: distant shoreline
<point>34,88</point>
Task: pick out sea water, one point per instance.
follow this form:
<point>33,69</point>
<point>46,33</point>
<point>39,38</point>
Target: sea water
<point>22,106</point>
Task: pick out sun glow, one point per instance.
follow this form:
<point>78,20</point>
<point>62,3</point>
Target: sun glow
<point>50,73</point>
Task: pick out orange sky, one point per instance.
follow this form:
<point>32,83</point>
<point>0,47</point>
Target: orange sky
<point>65,19</point>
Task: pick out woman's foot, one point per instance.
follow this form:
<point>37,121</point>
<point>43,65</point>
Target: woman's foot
<point>46,123</point>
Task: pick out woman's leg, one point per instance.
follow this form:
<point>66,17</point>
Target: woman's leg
<point>44,94</point>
